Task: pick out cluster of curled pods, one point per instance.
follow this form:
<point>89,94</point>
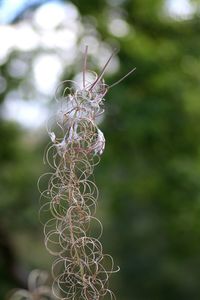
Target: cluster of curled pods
<point>68,203</point>
<point>81,270</point>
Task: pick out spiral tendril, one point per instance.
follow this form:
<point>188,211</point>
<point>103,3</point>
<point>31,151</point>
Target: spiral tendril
<point>81,270</point>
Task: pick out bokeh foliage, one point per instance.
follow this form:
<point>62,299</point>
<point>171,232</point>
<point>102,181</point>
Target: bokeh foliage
<point>149,176</point>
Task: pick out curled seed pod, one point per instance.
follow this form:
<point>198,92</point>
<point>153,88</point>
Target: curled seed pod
<point>80,270</point>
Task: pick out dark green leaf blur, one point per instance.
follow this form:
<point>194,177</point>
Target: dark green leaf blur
<point>149,174</point>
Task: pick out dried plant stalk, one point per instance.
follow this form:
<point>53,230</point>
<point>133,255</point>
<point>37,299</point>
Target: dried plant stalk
<point>81,269</point>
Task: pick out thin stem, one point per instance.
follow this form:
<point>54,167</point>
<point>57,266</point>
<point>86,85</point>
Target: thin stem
<point>85,65</point>
<point>120,80</point>
<point>103,70</point>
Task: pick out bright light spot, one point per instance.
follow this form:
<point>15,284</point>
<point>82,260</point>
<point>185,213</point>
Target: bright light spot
<point>52,14</point>
<point>7,38</point>
<point>26,38</point>
<point>47,69</point>
<point>30,114</point>
<point>92,42</point>
<point>17,68</point>
<point>63,38</point>
<point>21,37</point>
<point>180,8</point>
<point>71,12</point>
<point>118,27</point>
<point>49,15</point>
<point>69,57</point>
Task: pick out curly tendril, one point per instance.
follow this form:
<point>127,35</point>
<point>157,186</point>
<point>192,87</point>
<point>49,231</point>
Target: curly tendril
<point>81,270</point>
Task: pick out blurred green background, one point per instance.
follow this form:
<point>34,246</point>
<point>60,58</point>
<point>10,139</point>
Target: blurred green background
<point>149,175</point>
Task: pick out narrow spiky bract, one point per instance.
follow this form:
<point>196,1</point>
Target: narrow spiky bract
<point>81,269</point>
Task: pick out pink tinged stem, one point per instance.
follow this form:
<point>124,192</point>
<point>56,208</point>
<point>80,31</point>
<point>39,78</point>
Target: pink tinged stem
<point>85,65</point>
<point>121,79</point>
<point>103,71</point>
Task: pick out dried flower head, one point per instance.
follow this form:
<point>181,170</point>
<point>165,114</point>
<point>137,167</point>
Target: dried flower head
<point>81,269</point>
